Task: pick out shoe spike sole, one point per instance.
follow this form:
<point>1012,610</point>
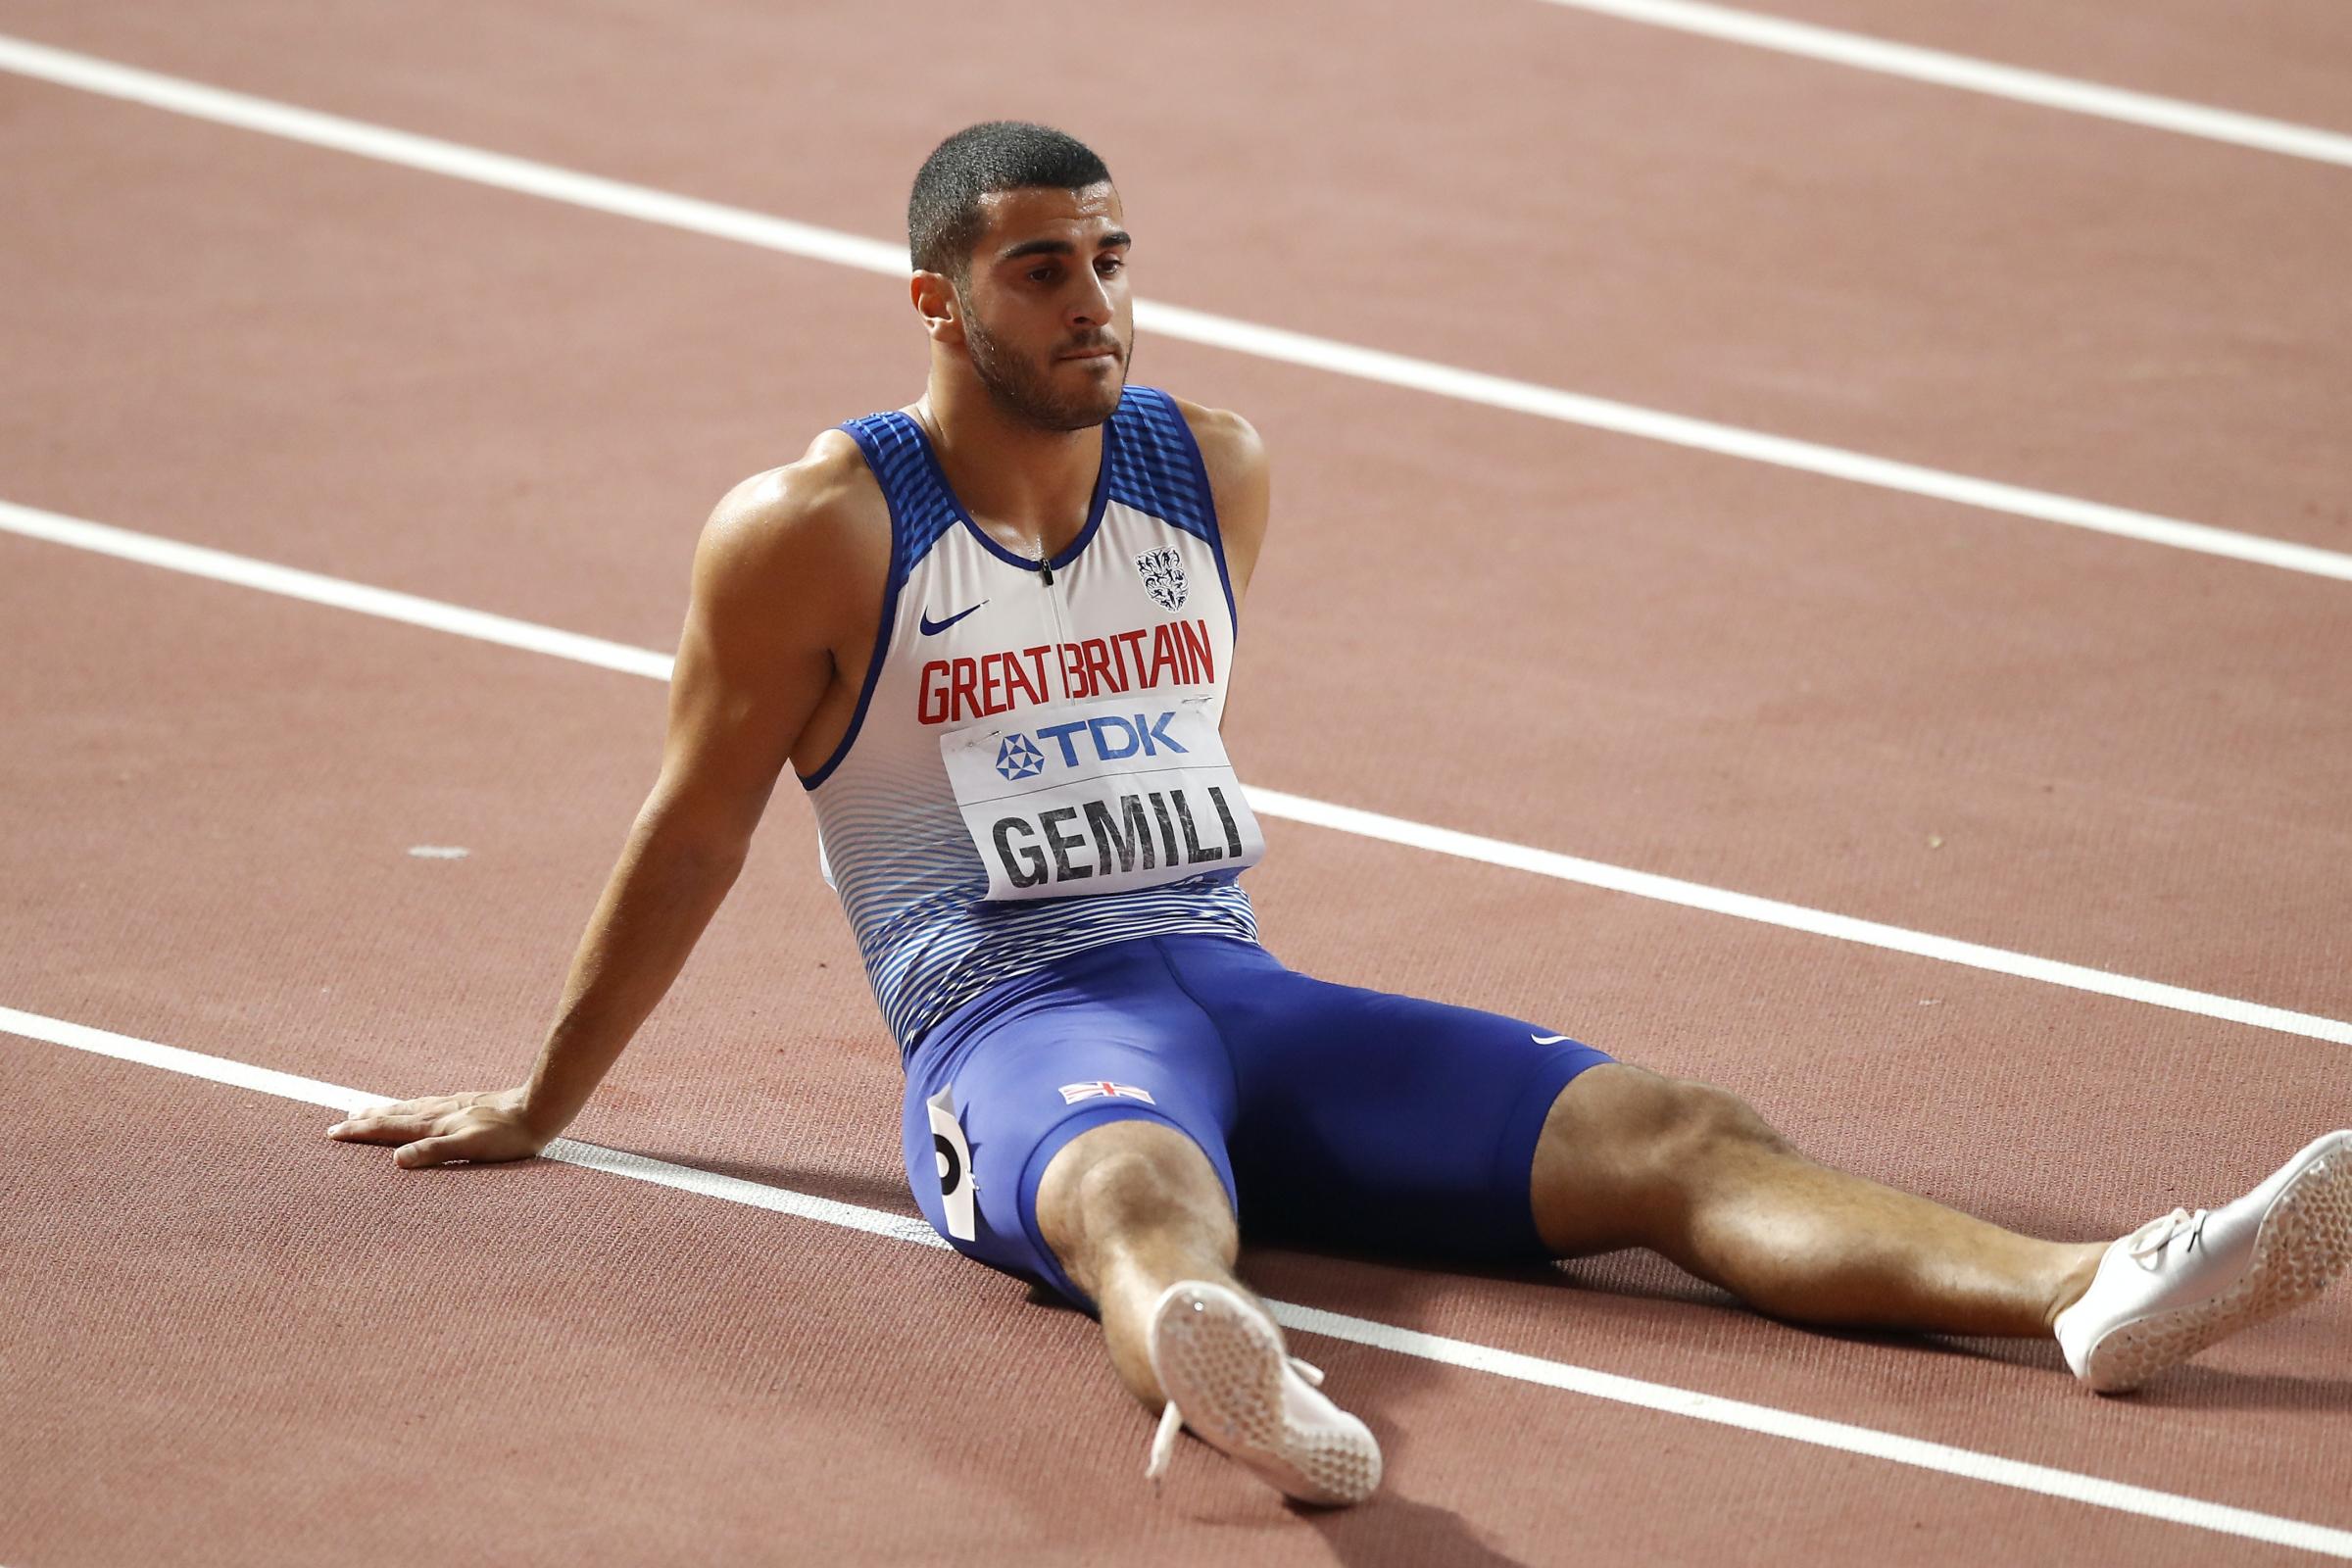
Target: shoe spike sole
<point>2304,1242</point>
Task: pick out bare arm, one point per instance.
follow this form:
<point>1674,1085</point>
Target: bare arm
<point>753,663</point>
<point>1242,489</point>
<point>1239,483</point>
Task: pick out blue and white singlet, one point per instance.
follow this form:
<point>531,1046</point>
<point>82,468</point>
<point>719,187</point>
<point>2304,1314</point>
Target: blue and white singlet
<point>1033,768</point>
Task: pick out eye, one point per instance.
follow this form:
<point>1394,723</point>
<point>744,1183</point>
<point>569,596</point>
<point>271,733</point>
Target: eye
<point>1108,265</point>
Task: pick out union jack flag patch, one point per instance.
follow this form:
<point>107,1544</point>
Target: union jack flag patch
<point>1102,1089</point>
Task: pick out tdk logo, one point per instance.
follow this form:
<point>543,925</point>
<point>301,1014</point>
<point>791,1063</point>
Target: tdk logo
<point>1019,758</point>
<point>1109,739</point>
<point>1113,738</point>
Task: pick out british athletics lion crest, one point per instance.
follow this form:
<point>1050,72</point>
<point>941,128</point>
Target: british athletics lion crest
<point>1163,576</point>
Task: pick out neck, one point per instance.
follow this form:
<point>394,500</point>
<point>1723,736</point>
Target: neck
<point>1030,488</point>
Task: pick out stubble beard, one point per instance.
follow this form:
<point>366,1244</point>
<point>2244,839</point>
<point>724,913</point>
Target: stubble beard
<point>1025,390</point>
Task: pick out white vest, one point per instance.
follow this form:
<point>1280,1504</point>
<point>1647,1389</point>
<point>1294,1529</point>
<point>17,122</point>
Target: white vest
<point>1127,632</point>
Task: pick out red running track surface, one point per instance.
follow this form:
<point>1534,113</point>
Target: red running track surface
<point>254,1346</point>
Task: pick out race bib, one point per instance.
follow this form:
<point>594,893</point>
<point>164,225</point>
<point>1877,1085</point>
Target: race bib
<point>1100,797</point>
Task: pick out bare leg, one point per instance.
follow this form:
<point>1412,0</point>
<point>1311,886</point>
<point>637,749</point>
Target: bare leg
<point>1628,1158</point>
<point>1132,1208</point>
<point>1129,1209</point>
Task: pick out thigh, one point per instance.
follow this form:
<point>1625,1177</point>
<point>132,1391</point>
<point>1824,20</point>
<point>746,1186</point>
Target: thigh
<point>999,1088</point>
<point>1385,1123</point>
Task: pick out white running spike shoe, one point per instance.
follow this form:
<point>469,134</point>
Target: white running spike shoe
<point>1220,1361</point>
<point>2177,1284</point>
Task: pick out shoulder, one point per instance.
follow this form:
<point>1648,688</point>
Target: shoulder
<point>824,511</point>
<point>824,498</point>
<point>1230,448</point>
<point>1238,481</point>
<point>804,538</point>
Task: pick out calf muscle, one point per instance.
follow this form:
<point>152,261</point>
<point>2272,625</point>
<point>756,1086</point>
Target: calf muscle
<point>1630,1159</point>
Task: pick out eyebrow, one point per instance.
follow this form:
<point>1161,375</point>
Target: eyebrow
<point>1063,247</point>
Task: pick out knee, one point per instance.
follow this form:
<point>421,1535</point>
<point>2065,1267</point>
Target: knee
<point>1671,1128</point>
<point>1126,1180</point>
<point>1705,1119</point>
<point>1133,1188</point>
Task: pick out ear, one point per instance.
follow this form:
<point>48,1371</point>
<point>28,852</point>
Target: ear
<point>935,301</point>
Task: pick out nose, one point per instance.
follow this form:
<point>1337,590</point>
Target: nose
<point>1089,304</point>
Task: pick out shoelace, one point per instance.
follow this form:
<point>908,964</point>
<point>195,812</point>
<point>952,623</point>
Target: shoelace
<point>2146,1245</point>
<point>1171,1422</point>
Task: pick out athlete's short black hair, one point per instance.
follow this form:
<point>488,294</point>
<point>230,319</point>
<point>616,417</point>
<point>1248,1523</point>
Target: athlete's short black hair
<point>943,214</point>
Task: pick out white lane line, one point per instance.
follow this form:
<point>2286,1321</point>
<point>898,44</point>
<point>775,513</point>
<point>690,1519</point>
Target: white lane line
<point>1731,441</point>
<point>1766,1420</point>
<point>2123,1496</point>
<point>1793,917</point>
<point>615,1162</point>
<point>496,169</point>
<point>1970,75</point>
<point>292,583</point>
<point>408,608</point>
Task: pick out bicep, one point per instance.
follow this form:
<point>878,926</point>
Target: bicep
<point>752,667</point>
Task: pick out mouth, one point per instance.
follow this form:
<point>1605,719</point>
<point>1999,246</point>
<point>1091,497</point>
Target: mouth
<point>1102,351</point>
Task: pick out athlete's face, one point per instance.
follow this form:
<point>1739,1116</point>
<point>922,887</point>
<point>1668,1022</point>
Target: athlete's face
<point>1047,320</point>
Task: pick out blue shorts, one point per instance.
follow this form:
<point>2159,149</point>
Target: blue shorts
<point>1337,1117</point>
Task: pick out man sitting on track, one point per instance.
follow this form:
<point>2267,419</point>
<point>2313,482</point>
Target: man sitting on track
<point>991,633</point>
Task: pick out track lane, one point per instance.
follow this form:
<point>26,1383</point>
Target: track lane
<point>1877,55</point>
<point>739,224</point>
<point>764,1065</point>
<point>243,572</point>
<point>2280,58</point>
<point>2067,1483</point>
<point>2140,357</point>
<point>645,1376</point>
<point>1788,1000</point>
<point>1977,687</point>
